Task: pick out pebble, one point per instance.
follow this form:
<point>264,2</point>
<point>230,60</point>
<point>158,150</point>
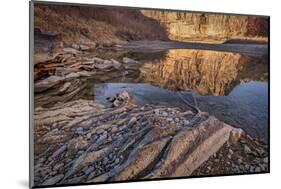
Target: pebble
<point>165,114</point>
<point>100,131</point>
<point>247,150</point>
<point>114,129</point>
<point>257,169</point>
<point>94,138</point>
<point>79,130</point>
<point>186,122</point>
<point>53,180</point>
<point>123,115</point>
<point>169,119</point>
<point>157,112</point>
<point>117,160</point>
<point>105,160</point>
<point>89,135</point>
<point>58,152</point>
<point>265,160</point>
<point>102,138</point>
<point>58,166</point>
<point>239,161</point>
<point>216,160</point>
<point>132,121</point>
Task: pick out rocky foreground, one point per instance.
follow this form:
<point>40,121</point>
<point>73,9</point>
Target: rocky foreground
<point>81,141</point>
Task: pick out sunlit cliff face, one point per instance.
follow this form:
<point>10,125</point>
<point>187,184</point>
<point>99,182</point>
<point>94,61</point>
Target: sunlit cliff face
<point>205,72</point>
<point>215,28</point>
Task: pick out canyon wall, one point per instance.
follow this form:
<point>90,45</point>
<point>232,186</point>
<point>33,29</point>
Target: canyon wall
<point>186,26</point>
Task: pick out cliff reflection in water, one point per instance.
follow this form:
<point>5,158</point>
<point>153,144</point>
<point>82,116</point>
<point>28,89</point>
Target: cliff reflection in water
<point>205,72</point>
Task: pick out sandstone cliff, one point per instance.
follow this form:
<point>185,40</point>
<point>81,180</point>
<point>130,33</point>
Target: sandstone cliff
<point>185,26</point>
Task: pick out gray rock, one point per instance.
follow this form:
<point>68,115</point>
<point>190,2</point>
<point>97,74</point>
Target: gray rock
<point>105,65</point>
<point>84,48</point>
<point>257,169</point>
<point>127,60</point>
<point>247,150</point>
<point>89,135</point>
<point>53,180</point>
<point>216,160</point>
<point>265,160</point>
<point>239,161</point>
<point>252,168</point>
<point>116,64</point>
<point>169,119</point>
<point>97,60</point>
<point>100,131</point>
<point>117,160</point>
<point>105,160</point>
<point>157,112</point>
<point>114,129</point>
<point>64,87</point>
<point>90,170</point>
<point>186,122</point>
<point>132,121</point>
<point>58,166</point>
<point>102,138</point>
<point>123,115</point>
<point>72,75</point>
<point>165,114</point>
<point>58,152</point>
<point>84,73</point>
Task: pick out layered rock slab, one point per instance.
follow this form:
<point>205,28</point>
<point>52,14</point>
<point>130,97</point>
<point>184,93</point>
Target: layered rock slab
<point>80,141</point>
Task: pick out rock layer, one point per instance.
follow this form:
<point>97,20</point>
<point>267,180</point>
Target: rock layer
<point>80,141</point>
<point>207,27</point>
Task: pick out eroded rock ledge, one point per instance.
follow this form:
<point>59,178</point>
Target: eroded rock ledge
<point>81,141</point>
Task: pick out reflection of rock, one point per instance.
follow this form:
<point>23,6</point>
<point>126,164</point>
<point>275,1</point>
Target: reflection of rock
<point>200,70</point>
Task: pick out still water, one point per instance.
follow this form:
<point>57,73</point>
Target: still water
<point>231,86</point>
